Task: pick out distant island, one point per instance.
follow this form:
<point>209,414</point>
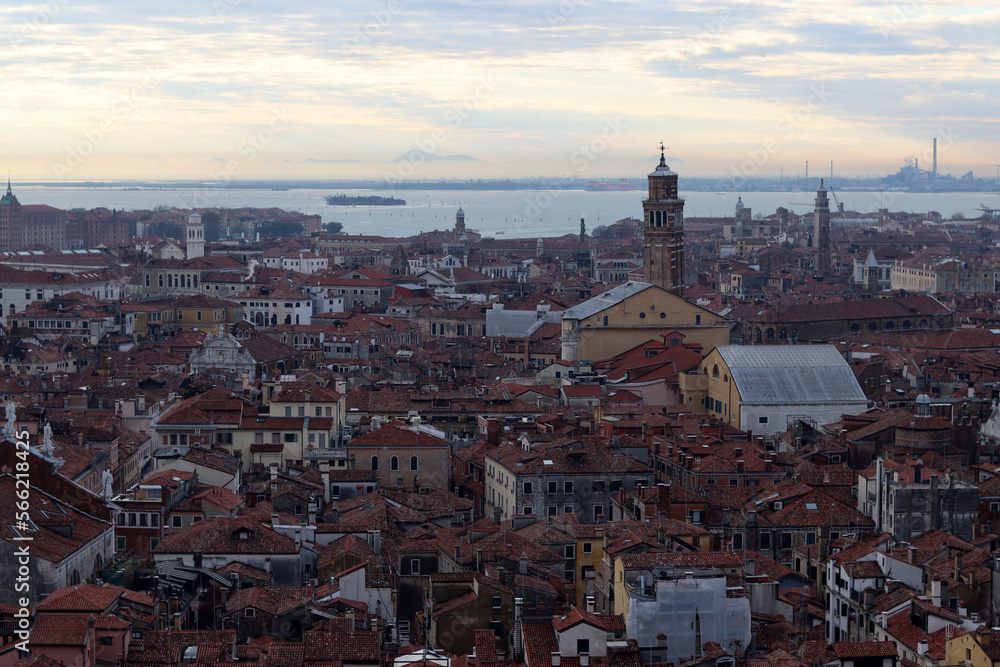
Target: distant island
<point>344,200</point>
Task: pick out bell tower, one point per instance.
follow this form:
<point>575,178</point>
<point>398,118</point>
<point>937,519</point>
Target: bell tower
<point>663,230</point>
<point>821,230</point>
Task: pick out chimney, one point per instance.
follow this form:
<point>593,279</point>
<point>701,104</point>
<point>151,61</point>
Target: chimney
<point>555,658</point>
<point>274,518</point>
<point>922,647</point>
<point>662,497</point>
<point>274,471</point>
<point>738,452</point>
<point>984,634</point>
<point>739,466</point>
<point>324,473</point>
<point>911,555</point>
<point>590,604</point>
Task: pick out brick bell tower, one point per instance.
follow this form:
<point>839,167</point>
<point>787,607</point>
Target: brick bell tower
<point>663,230</point>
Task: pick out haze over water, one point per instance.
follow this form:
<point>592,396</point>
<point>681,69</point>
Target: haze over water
<point>518,213</point>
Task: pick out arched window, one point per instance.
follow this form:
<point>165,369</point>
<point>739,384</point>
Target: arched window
<point>715,372</point>
<point>374,463</point>
<point>855,328</point>
<point>907,324</point>
<point>147,280</point>
<point>413,463</point>
<point>890,325</point>
<point>873,326</point>
<point>394,463</point>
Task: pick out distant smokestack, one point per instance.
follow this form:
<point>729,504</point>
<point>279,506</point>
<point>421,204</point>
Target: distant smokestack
<point>831,170</point>
<point>934,167</point>
<point>807,170</point>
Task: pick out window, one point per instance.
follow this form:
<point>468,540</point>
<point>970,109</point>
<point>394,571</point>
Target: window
<point>598,513</point>
<point>153,541</point>
<point>761,420</point>
<point>737,541</point>
<point>582,646</point>
<point>568,509</point>
<point>570,551</point>
<point>121,543</point>
<point>551,510</point>
<point>374,463</point>
<point>497,602</point>
<point>249,612</point>
<point>528,509</point>
<point>567,487</point>
<point>553,487</point>
<point>994,507</point>
<point>288,411</point>
<point>414,566</point>
<point>413,463</point>
<point>588,547</point>
<point>394,463</point>
<point>765,540</point>
<point>786,540</point>
<point>154,520</point>
<point>175,521</point>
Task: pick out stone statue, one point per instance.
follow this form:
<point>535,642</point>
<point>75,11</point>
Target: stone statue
<point>47,449</point>
<point>9,429</point>
<point>106,483</point>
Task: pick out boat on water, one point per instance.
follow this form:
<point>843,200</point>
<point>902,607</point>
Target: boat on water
<point>602,186</point>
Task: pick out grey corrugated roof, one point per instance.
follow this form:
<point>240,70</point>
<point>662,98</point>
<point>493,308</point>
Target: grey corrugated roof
<point>791,374</point>
<point>600,302</point>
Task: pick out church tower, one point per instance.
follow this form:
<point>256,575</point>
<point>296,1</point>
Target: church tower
<point>460,221</point>
<point>663,230</point>
<point>821,230</point>
<point>195,246</point>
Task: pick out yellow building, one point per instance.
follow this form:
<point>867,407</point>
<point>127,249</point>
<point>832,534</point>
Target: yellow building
<point>977,649</point>
<point>206,313</point>
<point>198,311</point>
<point>762,388</point>
<point>632,314</point>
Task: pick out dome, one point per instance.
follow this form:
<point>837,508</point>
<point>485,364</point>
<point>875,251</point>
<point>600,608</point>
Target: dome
<point>460,213</point>
<point>739,204</point>
<point>923,399</point>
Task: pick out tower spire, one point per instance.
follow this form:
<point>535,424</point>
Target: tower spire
<point>663,159</point>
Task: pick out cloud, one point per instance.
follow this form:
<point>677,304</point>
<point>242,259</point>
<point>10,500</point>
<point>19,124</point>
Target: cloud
<point>365,80</point>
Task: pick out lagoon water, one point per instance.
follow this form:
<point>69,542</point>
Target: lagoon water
<point>521,213</point>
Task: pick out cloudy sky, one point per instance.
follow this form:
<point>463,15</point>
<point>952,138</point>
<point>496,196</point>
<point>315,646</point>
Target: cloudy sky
<point>248,88</point>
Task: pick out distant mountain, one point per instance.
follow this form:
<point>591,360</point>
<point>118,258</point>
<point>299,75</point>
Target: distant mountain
<point>313,160</point>
<point>410,156</point>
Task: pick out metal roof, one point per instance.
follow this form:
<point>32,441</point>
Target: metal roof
<point>792,374</point>
<point>603,301</point>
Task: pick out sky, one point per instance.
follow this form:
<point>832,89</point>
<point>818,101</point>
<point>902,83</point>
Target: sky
<point>224,90</point>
